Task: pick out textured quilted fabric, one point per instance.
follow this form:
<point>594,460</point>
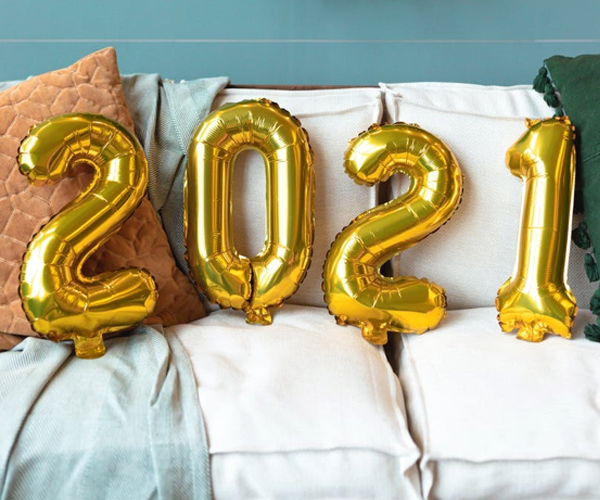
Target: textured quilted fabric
<point>90,85</point>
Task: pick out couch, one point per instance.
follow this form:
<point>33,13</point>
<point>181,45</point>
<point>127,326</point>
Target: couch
<point>305,408</point>
<point>476,413</point>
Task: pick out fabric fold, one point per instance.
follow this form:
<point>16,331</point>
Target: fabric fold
<point>127,425</point>
<point>165,115</point>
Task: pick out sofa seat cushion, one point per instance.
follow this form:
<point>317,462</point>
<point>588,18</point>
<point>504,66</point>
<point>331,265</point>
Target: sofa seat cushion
<point>303,408</point>
<point>497,417</point>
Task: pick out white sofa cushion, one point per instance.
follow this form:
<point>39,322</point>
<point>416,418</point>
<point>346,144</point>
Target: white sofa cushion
<point>474,253</point>
<point>303,408</point>
<point>496,417</point>
<point>331,118</point>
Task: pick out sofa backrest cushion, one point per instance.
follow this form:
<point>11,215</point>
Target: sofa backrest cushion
<point>332,117</point>
<point>474,253</point>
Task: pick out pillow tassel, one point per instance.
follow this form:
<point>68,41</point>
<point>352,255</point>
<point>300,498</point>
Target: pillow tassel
<point>541,80</point>
<point>591,267</point>
<point>581,237</point>
<point>543,85</point>
<point>551,97</point>
<point>595,302</point>
<point>592,332</point>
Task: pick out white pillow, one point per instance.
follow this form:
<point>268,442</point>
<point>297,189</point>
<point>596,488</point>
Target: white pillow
<point>332,118</point>
<point>302,408</point>
<point>474,253</point>
<point>496,417</point>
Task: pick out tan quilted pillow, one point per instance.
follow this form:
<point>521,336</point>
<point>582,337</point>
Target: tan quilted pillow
<point>90,85</point>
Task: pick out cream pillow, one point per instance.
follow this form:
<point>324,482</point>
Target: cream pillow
<point>332,118</point>
<point>474,253</point>
<point>497,417</point>
<point>301,409</point>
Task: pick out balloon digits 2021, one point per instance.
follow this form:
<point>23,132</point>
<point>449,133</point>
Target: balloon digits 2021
<point>59,301</point>
<point>228,278</point>
<point>355,291</point>
<point>536,299</point>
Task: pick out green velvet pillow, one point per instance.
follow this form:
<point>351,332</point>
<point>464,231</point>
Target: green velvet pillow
<point>572,86</point>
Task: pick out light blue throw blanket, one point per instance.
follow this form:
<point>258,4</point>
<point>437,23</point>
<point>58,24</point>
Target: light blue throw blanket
<point>127,425</point>
<point>124,426</point>
<point>164,122</point>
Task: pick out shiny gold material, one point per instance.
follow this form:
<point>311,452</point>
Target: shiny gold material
<point>228,278</point>
<point>537,299</point>
<point>355,291</point>
<point>59,301</point>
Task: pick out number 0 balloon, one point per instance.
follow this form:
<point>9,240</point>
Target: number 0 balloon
<point>59,301</point>
<point>537,300</point>
<point>228,278</point>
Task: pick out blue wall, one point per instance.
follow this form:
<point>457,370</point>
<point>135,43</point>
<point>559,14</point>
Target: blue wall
<point>321,42</point>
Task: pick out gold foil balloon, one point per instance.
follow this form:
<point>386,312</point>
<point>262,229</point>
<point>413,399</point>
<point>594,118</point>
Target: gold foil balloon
<point>226,277</point>
<point>355,291</point>
<point>59,301</point>
<point>537,300</point>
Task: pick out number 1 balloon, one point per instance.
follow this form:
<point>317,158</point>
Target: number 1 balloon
<point>537,299</point>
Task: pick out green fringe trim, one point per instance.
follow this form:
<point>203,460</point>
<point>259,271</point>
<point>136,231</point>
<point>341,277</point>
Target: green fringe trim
<point>581,237</point>
<point>543,85</point>
<point>591,267</point>
<point>550,96</point>
<point>592,332</point>
<point>595,302</point>
<point>541,80</point>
